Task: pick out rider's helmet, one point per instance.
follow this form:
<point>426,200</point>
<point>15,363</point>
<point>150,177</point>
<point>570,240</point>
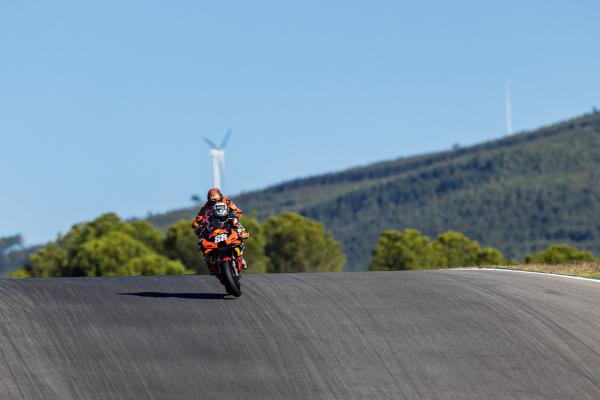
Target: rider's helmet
<point>220,211</point>
<point>214,195</point>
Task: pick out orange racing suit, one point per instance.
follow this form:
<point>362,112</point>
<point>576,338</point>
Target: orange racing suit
<point>205,214</point>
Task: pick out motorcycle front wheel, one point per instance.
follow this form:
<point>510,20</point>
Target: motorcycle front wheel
<point>230,280</point>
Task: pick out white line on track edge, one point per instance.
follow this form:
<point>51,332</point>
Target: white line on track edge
<point>533,272</point>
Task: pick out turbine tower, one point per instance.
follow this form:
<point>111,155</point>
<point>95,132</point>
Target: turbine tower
<point>218,158</point>
<point>509,127</point>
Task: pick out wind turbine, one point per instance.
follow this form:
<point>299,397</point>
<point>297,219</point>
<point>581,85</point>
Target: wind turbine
<point>218,158</point>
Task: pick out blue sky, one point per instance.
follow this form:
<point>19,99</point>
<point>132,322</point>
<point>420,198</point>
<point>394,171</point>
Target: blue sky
<point>103,105</point>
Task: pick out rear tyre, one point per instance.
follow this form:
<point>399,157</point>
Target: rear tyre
<point>230,281</point>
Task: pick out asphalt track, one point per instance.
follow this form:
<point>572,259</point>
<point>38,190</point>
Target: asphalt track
<point>400,335</point>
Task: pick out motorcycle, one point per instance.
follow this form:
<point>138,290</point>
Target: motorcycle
<point>222,248</point>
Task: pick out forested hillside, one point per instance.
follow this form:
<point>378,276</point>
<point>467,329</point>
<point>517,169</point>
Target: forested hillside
<point>518,194</point>
<point>13,254</point>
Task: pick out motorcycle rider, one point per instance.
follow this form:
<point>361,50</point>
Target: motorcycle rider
<point>206,214</point>
<point>222,218</point>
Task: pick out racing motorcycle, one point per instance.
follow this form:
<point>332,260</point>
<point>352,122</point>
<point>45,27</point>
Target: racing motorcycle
<point>222,247</point>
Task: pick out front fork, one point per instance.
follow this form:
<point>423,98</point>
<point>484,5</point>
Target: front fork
<point>236,260</point>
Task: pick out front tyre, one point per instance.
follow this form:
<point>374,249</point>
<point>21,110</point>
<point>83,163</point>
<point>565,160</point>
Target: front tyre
<point>230,280</point>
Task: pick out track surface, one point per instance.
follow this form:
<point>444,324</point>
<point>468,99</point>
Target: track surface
<point>400,335</point>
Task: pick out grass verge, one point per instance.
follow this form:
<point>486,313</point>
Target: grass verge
<point>581,269</point>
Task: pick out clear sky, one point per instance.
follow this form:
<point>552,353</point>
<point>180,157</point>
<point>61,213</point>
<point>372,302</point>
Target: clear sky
<point>103,104</point>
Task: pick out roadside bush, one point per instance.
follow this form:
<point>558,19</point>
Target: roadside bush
<point>407,250</point>
<point>104,246</point>
<point>559,254</point>
<point>412,250</point>
<point>298,244</point>
<point>182,244</point>
<point>254,250</point>
<point>489,256</point>
<point>456,250</point>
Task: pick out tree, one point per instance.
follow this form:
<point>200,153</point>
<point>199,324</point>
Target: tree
<point>181,244</point>
<point>83,232</point>
<point>117,254</point>
<point>104,246</point>
<point>254,246</point>
<point>109,246</point>
<point>48,261</point>
<point>407,250</point>
<point>153,264</point>
<point>489,256</point>
<point>107,255</point>
<point>456,250</point>
<point>20,272</point>
<point>412,250</point>
<point>146,233</point>
<point>559,254</point>
<point>297,244</point>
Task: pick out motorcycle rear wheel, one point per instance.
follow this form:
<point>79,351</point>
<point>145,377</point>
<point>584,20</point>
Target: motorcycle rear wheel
<point>230,281</point>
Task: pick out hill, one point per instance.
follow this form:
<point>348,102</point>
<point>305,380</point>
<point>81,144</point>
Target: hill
<point>518,194</point>
<point>13,254</point>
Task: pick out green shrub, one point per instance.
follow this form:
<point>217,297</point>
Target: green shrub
<point>407,250</point>
<point>559,254</point>
<point>412,250</point>
<point>181,244</point>
<point>298,244</point>
<point>489,256</point>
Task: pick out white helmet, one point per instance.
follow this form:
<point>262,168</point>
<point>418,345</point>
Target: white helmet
<point>220,210</point>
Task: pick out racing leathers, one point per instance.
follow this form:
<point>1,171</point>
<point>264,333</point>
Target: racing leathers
<point>203,221</point>
<point>205,214</point>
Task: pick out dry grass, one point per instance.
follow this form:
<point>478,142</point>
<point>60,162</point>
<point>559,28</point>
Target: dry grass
<point>583,269</point>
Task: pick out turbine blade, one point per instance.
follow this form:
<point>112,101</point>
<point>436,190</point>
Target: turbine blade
<point>226,138</point>
<point>210,143</point>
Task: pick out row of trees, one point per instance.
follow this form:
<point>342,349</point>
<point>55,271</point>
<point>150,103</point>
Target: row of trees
<point>560,253</point>
<point>283,243</point>
<point>109,246</point>
<point>412,250</point>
